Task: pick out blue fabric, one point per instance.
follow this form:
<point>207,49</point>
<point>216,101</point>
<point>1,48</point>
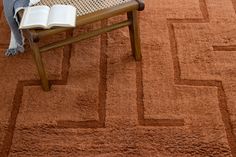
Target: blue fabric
<point>10,6</point>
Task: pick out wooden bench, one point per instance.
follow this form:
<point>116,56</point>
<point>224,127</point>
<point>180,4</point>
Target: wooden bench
<point>88,11</point>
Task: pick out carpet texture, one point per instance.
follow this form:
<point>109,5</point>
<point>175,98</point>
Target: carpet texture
<point>180,100</point>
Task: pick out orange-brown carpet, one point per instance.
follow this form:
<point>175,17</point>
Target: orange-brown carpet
<point>180,100</point>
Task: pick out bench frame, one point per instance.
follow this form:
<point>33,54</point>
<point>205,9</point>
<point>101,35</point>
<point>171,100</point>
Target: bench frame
<point>130,8</point>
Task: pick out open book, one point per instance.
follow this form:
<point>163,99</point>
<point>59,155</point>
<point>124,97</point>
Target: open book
<point>46,17</point>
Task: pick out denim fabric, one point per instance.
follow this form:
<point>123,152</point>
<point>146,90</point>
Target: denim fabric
<point>17,41</point>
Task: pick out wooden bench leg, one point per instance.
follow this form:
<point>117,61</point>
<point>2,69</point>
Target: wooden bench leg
<point>39,64</point>
<point>134,34</point>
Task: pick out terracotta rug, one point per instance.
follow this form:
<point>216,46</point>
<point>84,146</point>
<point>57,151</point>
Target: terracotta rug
<point>179,101</point>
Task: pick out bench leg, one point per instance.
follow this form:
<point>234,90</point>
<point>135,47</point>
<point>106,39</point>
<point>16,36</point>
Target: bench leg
<point>39,64</point>
<point>134,34</point>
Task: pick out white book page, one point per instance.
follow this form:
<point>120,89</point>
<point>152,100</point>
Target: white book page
<point>36,16</point>
<point>62,15</point>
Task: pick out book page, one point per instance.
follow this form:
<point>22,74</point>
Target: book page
<point>62,15</point>
<point>36,16</point>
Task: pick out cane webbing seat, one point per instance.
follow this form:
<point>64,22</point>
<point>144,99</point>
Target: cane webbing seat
<point>85,6</point>
<point>88,11</point>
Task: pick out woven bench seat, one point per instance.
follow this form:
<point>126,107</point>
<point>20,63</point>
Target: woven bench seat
<point>86,6</point>
<point>88,11</point>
